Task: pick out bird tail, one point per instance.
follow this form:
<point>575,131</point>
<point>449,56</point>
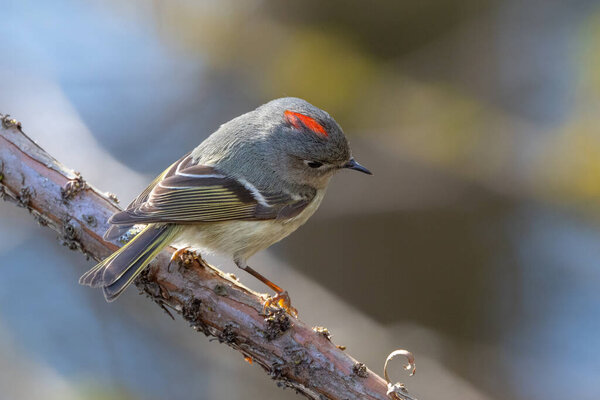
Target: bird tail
<point>116,272</point>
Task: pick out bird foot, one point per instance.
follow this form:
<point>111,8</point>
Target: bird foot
<point>178,253</point>
<point>184,257</point>
<point>281,300</point>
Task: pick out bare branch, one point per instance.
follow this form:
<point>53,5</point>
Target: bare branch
<point>212,302</point>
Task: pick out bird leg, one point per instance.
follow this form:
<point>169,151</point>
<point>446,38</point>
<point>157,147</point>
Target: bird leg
<point>281,299</point>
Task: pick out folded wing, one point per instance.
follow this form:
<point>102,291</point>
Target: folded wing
<point>187,193</point>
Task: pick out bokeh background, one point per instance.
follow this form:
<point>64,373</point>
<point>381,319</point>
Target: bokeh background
<point>475,245</point>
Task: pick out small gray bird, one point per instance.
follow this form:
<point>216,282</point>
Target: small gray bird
<point>248,185</point>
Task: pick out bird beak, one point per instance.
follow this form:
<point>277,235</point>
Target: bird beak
<point>352,164</point>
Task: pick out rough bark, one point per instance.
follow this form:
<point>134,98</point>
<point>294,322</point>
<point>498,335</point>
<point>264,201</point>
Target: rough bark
<point>214,303</point>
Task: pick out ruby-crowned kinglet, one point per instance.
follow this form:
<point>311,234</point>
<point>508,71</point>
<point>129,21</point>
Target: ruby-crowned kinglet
<point>248,185</point>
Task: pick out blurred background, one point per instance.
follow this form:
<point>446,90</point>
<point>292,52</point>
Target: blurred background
<point>474,245</point>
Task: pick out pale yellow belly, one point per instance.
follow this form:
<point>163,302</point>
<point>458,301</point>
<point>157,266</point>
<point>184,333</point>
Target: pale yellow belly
<point>241,239</point>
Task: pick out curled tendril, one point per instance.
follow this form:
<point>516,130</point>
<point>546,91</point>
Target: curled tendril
<point>409,367</point>
<point>397,390</point>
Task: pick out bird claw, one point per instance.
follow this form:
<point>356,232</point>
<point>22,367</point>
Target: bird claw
<point>281,300</point>
<point>183,256</point>
<point>178,253</point>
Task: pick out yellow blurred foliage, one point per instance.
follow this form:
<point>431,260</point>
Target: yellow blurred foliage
<point>571,166</point>
<point>323,68</point>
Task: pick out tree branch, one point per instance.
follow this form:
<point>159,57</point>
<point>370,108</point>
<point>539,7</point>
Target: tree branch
<point>212,302</point>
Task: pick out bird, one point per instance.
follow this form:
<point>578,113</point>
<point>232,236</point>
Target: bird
<point>248,185</point>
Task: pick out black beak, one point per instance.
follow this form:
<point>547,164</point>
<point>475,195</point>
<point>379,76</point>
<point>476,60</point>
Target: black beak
<point>352,164</point>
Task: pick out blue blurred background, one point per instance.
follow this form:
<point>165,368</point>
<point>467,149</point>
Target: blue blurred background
<point>475,245</point>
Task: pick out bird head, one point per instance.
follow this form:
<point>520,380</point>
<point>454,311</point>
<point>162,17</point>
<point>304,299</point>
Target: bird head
<point>310,144</point>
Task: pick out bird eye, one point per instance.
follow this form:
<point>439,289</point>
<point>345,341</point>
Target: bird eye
<point>313,164</point>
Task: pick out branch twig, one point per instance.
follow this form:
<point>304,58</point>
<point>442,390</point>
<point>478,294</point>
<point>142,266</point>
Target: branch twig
<point>212,302</point>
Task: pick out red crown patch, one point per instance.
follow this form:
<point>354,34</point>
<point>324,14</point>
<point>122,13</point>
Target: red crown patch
<point>300,121</point>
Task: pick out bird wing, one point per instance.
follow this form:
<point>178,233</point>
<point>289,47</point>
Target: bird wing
<point>143,197</point>
<point>188,193</point>
<point>115,231</point>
